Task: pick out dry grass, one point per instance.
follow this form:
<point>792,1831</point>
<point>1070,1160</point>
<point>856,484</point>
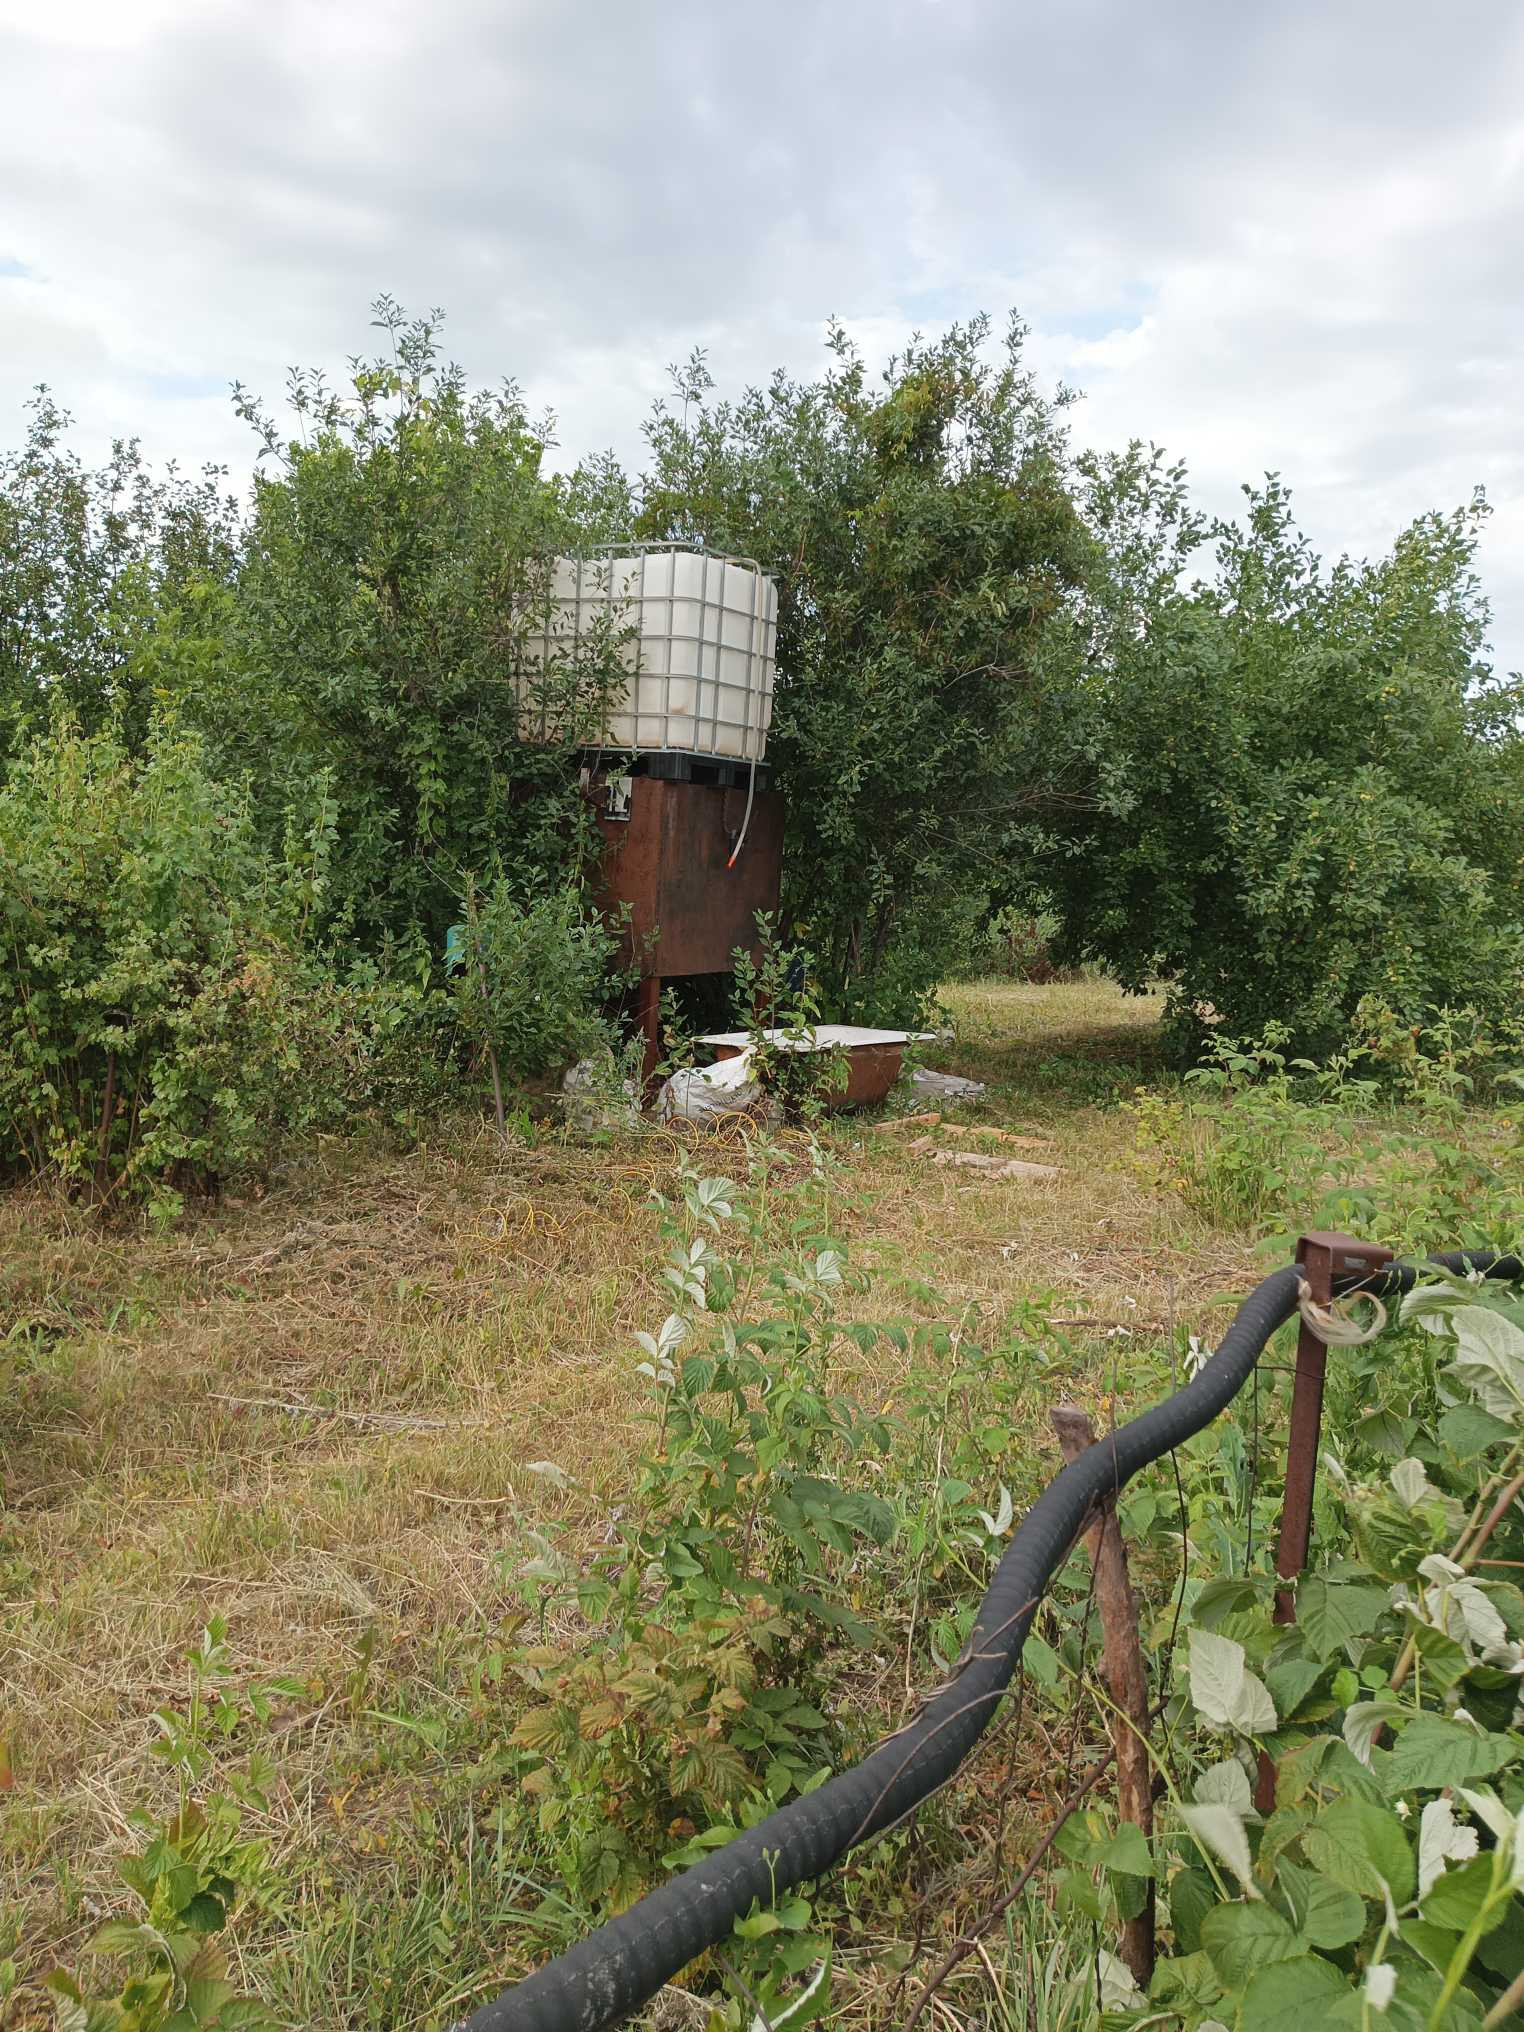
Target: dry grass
<point>315,1413</point>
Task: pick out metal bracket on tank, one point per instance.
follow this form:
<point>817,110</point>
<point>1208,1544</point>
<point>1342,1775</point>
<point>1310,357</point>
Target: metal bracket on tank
<point>609,795</point>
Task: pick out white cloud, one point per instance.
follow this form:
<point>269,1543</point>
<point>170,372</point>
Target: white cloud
<point>1289,237</point>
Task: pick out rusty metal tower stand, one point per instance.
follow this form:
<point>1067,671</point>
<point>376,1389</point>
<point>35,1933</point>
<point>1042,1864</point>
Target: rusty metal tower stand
<point>666,871</point>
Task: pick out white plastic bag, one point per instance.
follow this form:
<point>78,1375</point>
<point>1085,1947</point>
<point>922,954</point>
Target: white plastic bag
<point>711,1093</point>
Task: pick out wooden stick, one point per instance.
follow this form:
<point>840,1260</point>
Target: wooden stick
<point>1021,1142</point>
<point>1511,2000</point>
<point>965,1946</point>
<point>911,1122</point>
<point>996,1167</point>
<point>1126,1679</point>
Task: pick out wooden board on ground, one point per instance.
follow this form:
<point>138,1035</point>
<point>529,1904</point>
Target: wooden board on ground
<point>996,1167</point>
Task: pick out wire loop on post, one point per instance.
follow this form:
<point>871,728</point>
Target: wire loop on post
<point>1333,1324</point>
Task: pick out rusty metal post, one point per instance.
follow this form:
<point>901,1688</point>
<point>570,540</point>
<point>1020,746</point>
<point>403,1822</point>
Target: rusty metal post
<point>648,1018</point>
<point>1322,1256</point>
<point>1126,1679</point>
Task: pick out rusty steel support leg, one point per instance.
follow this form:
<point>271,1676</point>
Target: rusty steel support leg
<point>1322,1256</point>
<point>648,1018</point>
<point>1126,1680</point>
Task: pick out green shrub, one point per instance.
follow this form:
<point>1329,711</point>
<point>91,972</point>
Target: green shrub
<point>163,1020</point>
<point>1383,1886</point>
<point>529,980</point>
<point>779,991</point>
<point>1012,943</point>
<point>1267,1143</point>
<point>928,554</point>
<point>107,580</point>
<point>392,566</point>
<point>194,1871</point>
<point>1303,787</point>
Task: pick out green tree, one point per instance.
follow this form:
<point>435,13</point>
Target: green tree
<point>397,552</point>
<point>93,564</point>
<point>1304,785</point>
<point>164,1021</point>
<point>929,556</point>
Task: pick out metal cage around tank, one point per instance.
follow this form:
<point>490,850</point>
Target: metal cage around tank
<point>696,631</point>
<point>692,835</point>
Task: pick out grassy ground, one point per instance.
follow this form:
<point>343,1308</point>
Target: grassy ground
<point>318,1414</point>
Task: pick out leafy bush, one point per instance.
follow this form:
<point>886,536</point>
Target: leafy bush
<point>928,549</point>
<point>1013,943</point>
<point>98,570</point>
<point>769,1533</point>
<point>195,1868</point>
<point>1384,1887</point>
<point>1267,1143</point>
<point>163,1022</point>
<point>529,980</point>
<point>396,557</point>
<point>730,1566</point>
<point>1305,788</point>
<point>778,991</point>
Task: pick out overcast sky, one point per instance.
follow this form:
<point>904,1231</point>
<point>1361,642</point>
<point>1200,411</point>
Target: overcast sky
<point>1284,236</point>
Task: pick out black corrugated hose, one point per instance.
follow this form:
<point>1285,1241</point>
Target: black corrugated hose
<point>601,1980</point>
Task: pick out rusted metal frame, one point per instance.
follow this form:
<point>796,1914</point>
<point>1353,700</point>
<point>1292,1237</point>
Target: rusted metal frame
<point>648,1020</point>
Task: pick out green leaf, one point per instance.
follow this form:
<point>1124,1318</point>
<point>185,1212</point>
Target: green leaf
<point>1223,1690</point>
<point>1431,1752</point>
<point>205,1914</point>
<point>70,2013</point>
<point>1363,1722</point>
<point>1220,1599</point>
<point>1363,1848</point>
<point>1291,1996</point>
<point>1082,1836</point>
<point>1282,1828</point>
<point>1331,1614</point>
<point>246,2014</point>
<point>1290,1682</point>
<point>1219,1829</point>
<point>1128,1894</point>
<point>1342,1771</point>
<point>1410,1481</point>
<point>1456,1898</point>
<point>1077,1890</point>
<point>1383,1431</point>
<point>757,1925</point>
<point>1502,1948</point>
<point>1435,1943</point>
<point>1467,1430</point>
<point>1490,1360</point>
<point>1298,1769</point>
<point>1040,1660</point>
<point>1186,1975</point>
<point>1243,1938</point>
<point>1324,1914</point>
<point>127,1936</point>
<point>1225,1784</point>
<point>1126,1851</point>
<point>1192,1895</point>
<point>1445,1662</point>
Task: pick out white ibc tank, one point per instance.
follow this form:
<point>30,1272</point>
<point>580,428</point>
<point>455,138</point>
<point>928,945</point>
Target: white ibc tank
<point>700,641</point>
